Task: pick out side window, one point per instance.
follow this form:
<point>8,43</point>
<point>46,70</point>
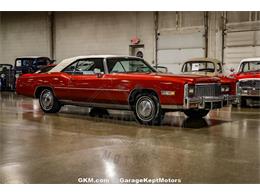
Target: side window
<point>42,61</point>
<point>187,67</point>
<point>18,63</point>
<point>245,67</point>
<point>85,67</point>
<point>119,67</point>
<point>219,68</point>
<point>210,66</point>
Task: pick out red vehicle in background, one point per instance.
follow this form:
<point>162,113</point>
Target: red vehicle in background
<point>122,82</point>
<point>248,82</point>
<point>213,68</point>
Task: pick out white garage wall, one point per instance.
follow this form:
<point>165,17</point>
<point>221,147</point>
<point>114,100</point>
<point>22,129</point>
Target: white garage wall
<point>24,33</point>
<point>215,28</point>
<point>242,38</point>
<point>84,33</point>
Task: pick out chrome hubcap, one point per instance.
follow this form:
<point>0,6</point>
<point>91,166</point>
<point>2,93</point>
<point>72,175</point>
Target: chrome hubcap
<point>145,108</point>
<point>47,100</point>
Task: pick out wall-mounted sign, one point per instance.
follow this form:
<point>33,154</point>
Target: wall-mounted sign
<point>135,40</point>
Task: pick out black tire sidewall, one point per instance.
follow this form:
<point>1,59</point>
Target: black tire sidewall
<point>243,102</point>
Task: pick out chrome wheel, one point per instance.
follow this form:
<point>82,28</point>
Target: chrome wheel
<point>46,100</point>
<point>145,108</point>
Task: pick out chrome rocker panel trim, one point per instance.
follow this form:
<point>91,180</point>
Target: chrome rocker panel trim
<point>96,105</point>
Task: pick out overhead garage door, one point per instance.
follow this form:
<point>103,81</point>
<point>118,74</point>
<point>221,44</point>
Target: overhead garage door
<point>241,39</point>
<point>176,45</point>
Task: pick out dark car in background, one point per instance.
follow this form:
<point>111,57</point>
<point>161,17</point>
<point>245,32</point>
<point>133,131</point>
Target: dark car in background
<point>30,64</point>
<point>7,78</point>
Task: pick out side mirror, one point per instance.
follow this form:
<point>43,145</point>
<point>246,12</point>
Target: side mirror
<point>161,69</point>
<point>97,72</point>
<point>232,69</point>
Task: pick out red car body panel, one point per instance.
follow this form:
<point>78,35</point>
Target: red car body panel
<point>246,75</point>
<point>229,81</point>
<point>112,88</point>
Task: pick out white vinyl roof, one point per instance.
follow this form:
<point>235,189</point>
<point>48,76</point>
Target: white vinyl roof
<point>32,57</point>
<point>250,60</point>
<point>64,63</point>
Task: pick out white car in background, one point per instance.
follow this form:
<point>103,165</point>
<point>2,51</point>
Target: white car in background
<point>248,82</point>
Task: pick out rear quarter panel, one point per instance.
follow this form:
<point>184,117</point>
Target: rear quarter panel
<point>27,84</point>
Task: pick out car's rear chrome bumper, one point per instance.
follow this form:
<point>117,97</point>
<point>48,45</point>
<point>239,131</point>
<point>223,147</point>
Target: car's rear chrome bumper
<point>205,102</point>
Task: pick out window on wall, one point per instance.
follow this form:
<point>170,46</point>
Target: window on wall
<point>235,17</point>
<point>189,19</point>
<point>167,20</point>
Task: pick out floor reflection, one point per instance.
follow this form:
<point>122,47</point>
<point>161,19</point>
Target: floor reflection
<point>30,110</point>
<point>58,148</point>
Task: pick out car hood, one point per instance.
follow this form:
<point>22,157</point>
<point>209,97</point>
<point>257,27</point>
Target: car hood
<point>247,75</point>
<point>183,78</point>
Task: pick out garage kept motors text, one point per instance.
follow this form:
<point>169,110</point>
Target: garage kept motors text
<point>159,180</point>
<point>145,180</point>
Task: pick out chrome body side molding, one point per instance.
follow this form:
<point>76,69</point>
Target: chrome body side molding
<point>97,105</point>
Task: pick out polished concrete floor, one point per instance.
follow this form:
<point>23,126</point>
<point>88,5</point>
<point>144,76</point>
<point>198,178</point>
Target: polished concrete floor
<point>60,148</point>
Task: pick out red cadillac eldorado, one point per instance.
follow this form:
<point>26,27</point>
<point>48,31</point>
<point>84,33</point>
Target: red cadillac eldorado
<point>122,82</point>
<point>248,85</point>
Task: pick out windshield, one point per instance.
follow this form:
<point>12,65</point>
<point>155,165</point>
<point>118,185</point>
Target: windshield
<point>128,65</point>
<point>250,66</point>
<point>25,62</point>
<point>198,67</point>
